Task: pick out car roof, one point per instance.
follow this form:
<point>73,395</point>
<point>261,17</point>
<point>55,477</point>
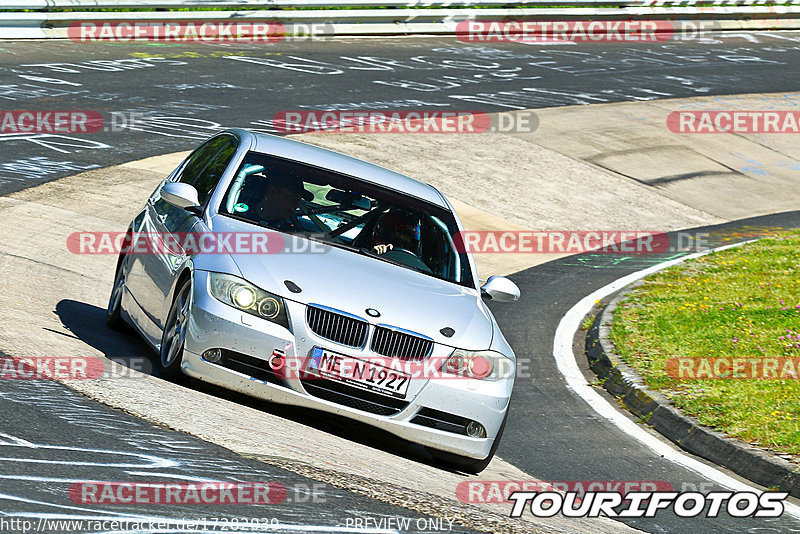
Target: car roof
<point>341,163</point>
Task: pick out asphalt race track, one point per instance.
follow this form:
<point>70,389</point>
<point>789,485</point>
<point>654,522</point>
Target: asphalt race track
<point>188,92</point>
<point>185,93</point>
<point>60,438</point>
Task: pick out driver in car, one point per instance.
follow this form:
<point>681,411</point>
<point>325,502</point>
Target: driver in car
<point>277,208</point>
<point>397,230</point>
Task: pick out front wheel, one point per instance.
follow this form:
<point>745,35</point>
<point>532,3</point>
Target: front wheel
<point>114,308</point>
<point>174,336</point>
<point>465,463</point>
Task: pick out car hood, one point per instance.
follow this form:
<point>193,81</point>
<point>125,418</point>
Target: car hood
<point>351,282</point>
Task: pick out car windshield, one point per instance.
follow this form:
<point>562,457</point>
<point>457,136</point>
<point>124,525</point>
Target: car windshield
<point>342,211</point>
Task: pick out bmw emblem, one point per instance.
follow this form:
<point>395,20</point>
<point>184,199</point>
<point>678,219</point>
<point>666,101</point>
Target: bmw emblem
<point>372,312</point>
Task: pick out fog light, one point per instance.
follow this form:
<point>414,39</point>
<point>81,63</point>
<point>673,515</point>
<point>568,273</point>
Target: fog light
<point>212,355</point>
<point>476,430</point>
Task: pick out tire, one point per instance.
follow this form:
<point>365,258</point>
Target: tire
<point>465,463</point>
<point>174,336</point>
<point>114,308</point>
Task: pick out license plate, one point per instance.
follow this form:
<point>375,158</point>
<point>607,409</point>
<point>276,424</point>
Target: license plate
<point>358,373</point>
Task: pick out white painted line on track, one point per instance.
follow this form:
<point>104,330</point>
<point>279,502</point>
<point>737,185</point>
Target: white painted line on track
<point>568,367</point>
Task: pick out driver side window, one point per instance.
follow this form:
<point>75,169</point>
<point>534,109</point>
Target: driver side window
<point>205,166</point>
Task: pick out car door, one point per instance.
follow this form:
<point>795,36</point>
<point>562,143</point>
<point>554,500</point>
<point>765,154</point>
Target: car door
<point>167,225</point>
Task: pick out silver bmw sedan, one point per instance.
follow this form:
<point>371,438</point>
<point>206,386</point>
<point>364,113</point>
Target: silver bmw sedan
<point>306,277</point>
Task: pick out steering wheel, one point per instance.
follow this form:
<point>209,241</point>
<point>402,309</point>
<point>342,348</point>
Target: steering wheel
<point>403,250</point>
<point>407,257</point>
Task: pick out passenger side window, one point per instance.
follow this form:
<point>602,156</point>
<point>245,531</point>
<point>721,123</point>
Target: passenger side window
<point>206,166</point>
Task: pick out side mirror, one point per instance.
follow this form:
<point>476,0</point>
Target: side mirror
<point>500,288</point>
<point>180,195</point>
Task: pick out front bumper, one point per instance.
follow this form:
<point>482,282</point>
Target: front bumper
<point>217,325</point>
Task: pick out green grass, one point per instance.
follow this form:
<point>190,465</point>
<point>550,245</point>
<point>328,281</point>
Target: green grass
<point>739,303</point>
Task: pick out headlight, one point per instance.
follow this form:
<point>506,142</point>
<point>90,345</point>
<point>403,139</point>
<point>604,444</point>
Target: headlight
<point>481,365</point>
<point>246,297</point>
